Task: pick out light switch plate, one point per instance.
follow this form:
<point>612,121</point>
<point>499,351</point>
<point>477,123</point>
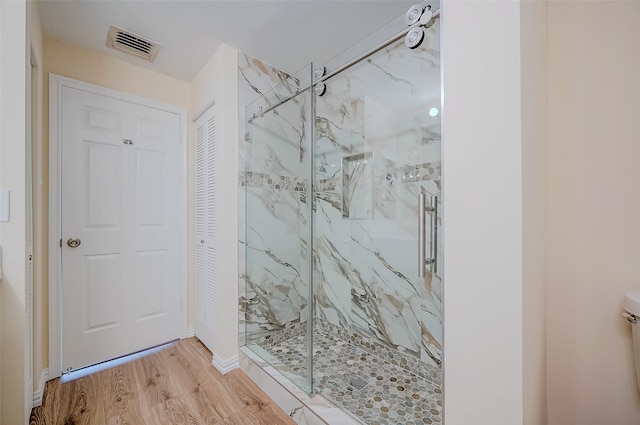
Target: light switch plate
<point>4,205</point>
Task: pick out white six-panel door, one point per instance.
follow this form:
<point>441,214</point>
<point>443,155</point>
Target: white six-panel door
<point>121,183</point>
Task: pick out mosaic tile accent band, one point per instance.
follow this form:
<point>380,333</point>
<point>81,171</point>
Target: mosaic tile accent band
<point>407,174</point>
<point>328,185</point>
<point>292,330</point>
<point>414,173</point>
<point>270,181</point>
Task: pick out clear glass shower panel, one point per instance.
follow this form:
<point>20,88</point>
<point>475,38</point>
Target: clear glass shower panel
<point>377,158</point>
<point>277,185</point>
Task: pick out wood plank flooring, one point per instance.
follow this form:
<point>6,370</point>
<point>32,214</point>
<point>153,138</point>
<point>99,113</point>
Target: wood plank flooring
<point>175,385</point>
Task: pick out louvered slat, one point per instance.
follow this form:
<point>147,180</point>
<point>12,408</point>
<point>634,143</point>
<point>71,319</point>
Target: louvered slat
<point>211,177</point>
<point>201,188</point>
<point>201,284</point>
<point>211,289</point>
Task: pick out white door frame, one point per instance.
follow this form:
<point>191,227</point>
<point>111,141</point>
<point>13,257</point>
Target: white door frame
<point>56,84</point>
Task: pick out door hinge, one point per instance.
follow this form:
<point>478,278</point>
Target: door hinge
<point>60,243</point>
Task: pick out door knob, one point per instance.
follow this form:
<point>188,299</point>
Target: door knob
<point>74,242</point>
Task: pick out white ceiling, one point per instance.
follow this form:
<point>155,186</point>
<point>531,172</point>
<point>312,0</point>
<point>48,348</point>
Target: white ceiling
<point>286,34</point>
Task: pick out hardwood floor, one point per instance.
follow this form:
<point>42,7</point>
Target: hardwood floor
<point>175,385</point>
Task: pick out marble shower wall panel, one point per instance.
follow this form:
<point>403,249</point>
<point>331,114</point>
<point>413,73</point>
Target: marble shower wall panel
<point>275,142</point>
<point>272,200</point>
<point>276,223</point>
<point>254,79</point>
<point>365,269</point>
<point>366,280</point>
<point>276,290</point>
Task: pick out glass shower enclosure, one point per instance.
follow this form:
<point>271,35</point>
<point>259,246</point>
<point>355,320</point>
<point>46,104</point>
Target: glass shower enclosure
<point>278,176</point>
<point>343,291</point>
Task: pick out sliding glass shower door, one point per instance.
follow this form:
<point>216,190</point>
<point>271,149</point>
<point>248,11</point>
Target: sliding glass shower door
<point>376,227</point>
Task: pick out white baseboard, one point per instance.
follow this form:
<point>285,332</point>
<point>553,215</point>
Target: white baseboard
<point>225,366</point>
<point>190,333</point>
<point>37,395</point>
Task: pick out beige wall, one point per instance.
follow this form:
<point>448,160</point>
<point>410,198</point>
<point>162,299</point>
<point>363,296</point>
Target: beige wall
<point>533,27</point>
<point>217,82</point>
<point>14,403</point>
<point>92,67</point>
<point>95,68</point>
<point>593,211</point>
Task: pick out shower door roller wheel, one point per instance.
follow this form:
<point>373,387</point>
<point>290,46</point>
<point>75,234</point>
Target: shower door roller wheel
<point>413,14</point>
<point>414,37</point>
<point>320,88</point>
<point>319,72</point>
<point>426,17</point>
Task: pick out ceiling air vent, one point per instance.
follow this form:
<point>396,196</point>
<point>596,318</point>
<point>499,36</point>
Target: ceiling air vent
<point>132,44</point>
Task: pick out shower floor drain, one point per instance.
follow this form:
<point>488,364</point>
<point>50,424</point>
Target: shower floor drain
<point>358,383</point>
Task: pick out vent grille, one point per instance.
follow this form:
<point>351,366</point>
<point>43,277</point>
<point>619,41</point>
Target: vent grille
<point>132,44</point>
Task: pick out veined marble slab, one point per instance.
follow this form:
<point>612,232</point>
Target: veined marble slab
<point>274,177</point>
<point>366,278</point>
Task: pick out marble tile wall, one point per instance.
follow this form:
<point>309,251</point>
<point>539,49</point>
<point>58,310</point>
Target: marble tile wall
<point>270,181</point>
<point>364,265</point>
<point>273,265</point>
<point>366,279</point>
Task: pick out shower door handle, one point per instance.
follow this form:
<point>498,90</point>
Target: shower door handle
<point>433,221</point>
<point>432,209</point>
<point>421,234</point>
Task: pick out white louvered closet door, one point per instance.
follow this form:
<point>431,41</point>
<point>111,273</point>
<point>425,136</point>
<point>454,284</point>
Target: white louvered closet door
<point>205,261</point>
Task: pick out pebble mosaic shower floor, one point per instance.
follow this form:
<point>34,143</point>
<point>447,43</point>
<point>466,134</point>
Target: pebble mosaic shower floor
<point>373,390</point>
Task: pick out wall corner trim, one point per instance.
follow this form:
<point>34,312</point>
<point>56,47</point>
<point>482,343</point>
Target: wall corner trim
<point>225,366</point>
<point>37,395</point>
